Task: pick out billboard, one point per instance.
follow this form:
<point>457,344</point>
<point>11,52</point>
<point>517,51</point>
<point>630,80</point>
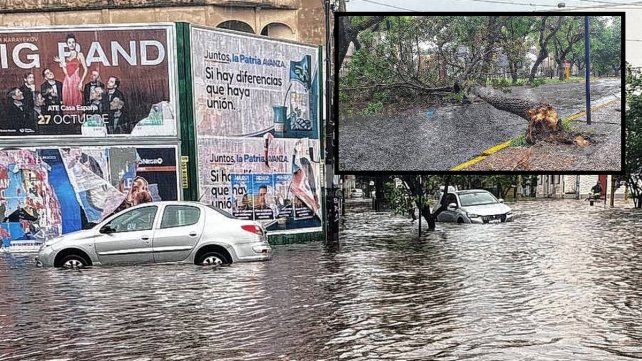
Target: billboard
<point>88,81</point>
<point>46,192</point>
<point>256,112</point>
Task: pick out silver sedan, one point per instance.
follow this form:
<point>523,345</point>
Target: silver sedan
<point>185,232</point>
<point>474,206</point>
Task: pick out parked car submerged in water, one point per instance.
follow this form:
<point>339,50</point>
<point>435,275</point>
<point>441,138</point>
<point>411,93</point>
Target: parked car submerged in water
<point>184,232</point>
<point>474,206</point>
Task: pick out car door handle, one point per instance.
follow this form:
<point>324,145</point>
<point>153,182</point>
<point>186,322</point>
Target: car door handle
<point>192,234</point>
<point>145,238</point>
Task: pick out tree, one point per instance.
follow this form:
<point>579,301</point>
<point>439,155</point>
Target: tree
<point>570,33</point>
<point>634,133</point>
<point>349,28</point>
<point>605,45</point>
<point>514,36</point>
<point>547,29</point>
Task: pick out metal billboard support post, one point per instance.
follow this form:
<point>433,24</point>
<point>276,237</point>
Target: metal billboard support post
<point>421,201</point>
<point>587,60</point>
<point>332,211</point>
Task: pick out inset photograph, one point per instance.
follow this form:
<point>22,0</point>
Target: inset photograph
<point>481,93</point>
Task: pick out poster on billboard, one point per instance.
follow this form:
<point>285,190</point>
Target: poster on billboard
<point>256,112</point>
<point>47,192</point>
<point>248,86</point>
<point>88,81</point>
<point>282,190</point>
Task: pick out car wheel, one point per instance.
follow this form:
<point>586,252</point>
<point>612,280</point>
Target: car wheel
<point>460,220</point>
<point>212,259</point>
<point>74,261</point>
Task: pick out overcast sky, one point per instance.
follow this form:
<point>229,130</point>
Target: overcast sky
<point>633,9</point>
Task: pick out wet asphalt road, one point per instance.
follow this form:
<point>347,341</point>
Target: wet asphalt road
<point>562,282</point>
<point>453,135</point>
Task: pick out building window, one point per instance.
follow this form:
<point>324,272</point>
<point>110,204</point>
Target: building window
<point>278,31</point>
<point>236,25</point>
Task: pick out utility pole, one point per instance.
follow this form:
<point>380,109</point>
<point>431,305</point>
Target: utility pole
<point>613,189</point>
<point>332,206</point>
<point>587,61</point>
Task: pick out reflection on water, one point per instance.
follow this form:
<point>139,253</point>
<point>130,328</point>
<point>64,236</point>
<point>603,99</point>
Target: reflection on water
<point>561,282</point>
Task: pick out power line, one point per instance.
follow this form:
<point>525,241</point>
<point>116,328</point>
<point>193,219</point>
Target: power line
<point>618,6</point>
<point>388,5</point>
<point>603,2</point>
<point>508,2</point>
<point>603,5</point>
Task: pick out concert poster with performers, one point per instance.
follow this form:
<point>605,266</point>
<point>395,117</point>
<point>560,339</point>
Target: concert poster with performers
<point>88,81</point>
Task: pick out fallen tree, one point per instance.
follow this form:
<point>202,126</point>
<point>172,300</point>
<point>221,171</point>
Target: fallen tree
<point>544,123</point>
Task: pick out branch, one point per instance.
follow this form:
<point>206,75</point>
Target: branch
<point>444,89</point>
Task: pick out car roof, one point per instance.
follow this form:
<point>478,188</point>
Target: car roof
<point>169,203</point>
<point>472,191</point>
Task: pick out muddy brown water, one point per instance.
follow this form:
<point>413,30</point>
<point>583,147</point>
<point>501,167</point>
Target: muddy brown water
<point>562,282</point>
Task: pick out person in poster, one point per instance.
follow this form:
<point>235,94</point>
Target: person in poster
<point>118,119</point>
<point>113,91</point>
<point>51,90</point>
<point>72,85</point>
<point>38,107</point>
<point>94,82</point>
<point>20,117</point>
<point>28,89</point>
<point>303,184</point>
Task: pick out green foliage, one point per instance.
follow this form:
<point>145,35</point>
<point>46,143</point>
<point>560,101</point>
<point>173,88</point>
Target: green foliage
<point>634,120</point>
<point>538,82</point>
<point>373,108</point>
<point>519,141</point>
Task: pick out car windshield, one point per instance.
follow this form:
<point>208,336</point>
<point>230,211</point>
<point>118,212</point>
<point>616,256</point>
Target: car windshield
<point>476,199</point>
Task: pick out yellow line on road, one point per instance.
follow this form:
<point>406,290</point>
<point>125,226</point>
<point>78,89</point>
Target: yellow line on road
<point>496,148</point>
<point>582,113</point>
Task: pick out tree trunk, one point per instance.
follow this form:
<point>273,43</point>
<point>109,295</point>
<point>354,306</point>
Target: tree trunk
<point>414,188</point>
<point>543,123</point>
<point>513,73</point>
<point>538,61</point>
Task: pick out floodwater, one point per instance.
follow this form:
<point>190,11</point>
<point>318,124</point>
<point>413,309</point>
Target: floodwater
<point>561,282</point>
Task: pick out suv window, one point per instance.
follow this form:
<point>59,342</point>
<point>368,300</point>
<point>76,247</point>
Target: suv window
<point>139,219</point>
<point>180,216</point>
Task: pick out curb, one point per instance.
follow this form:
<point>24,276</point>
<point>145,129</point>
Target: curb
<point>496,148</point>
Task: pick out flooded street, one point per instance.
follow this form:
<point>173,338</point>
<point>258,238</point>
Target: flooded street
<point>561,282</point>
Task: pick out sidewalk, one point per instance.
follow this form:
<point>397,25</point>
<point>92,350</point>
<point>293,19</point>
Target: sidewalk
<point>604,155</point>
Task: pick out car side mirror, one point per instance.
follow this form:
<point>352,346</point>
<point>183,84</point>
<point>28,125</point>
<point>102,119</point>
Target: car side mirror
<point>501,200</point>
<point>452,206</point>
<point>106,229</point>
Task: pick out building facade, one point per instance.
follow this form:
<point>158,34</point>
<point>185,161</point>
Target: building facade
<point>574,186</point>
<point>298,20</point>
